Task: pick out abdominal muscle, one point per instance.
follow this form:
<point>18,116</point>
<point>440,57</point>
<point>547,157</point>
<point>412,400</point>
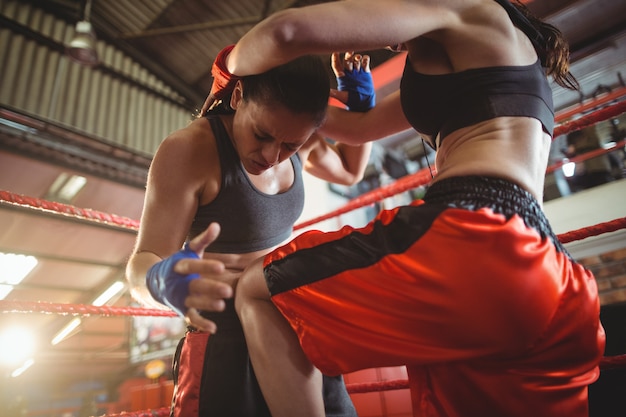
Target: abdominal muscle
<point>512,148</point>
<point>235,263</point>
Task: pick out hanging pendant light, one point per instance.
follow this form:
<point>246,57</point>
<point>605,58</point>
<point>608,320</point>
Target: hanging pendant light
<point>82,47</point>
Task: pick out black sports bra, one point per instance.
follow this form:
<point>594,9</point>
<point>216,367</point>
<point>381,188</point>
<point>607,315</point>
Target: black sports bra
<point>444,103</point>
<point>441,104</point>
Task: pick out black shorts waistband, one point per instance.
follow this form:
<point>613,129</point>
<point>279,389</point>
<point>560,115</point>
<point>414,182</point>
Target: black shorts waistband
<point>500,195</point>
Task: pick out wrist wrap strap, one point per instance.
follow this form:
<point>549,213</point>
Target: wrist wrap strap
<point>360,87</point>
<point>169,287</point>
<point>223,81</point>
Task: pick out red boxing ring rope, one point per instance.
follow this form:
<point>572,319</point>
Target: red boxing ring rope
<point>586,155</point>
<point>70,211</point>
<point>67,309</point>
<point>590,119</point>
<point>595,230</point>
<point>591,104</point>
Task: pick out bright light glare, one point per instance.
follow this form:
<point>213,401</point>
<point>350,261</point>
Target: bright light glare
<point>69,328</point>
<point>568,169</point>
<point>15,267</point>
<point>102,299</point>
<point>109,293</point>
<point>16,345</point>
<point>71,188</point>
<point>5,290</point>
<point>609,145</point>
<point>19,371</point>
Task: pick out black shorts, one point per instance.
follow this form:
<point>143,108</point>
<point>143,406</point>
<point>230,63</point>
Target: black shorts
<point>213,376</point>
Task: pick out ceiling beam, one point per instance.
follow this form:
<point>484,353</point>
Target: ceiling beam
<point>217,24</point>
<point>190,28</point>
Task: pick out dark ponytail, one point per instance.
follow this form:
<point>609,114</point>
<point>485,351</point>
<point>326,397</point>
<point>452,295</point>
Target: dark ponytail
<point>301,85</point>
<point>554,54</point>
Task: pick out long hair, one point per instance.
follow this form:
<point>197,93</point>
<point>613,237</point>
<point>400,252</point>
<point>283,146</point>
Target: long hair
<point>555,54</point>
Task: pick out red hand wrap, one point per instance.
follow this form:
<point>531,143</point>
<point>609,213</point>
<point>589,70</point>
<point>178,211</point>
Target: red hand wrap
<point>223,81</point>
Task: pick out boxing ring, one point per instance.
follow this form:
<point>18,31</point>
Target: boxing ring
<point>420,178</point>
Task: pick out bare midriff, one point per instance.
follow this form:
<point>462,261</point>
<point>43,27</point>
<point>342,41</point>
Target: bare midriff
<point>512,148</point>
<point>235,263</point>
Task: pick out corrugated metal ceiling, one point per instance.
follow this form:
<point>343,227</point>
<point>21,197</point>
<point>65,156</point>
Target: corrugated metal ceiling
<point>180,38</point>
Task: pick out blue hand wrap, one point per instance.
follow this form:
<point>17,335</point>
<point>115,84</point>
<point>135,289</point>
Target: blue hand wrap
<point>169,287</point>
<point>360,87</point>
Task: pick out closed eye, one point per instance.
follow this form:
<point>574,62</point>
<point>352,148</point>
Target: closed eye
<point>263,138</point>
<point>292,147</point>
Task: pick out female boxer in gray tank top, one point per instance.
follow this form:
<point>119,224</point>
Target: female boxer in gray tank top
<point>240,167</point>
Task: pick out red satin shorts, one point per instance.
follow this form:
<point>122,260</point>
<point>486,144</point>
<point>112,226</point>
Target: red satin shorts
<point>469,288</point>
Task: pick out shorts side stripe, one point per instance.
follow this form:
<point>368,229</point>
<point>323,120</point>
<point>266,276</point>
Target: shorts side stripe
<point>393,232</point>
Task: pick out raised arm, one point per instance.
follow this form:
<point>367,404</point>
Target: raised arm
<point>321,29</point>
<point>385,119</point>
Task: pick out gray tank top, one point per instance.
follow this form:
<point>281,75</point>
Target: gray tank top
<point>250,220</point>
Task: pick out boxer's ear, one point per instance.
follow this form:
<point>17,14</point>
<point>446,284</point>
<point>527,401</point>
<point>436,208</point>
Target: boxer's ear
<point>237,96</point>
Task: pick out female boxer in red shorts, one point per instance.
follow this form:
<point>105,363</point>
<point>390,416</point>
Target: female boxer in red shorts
<point>469,288</point>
